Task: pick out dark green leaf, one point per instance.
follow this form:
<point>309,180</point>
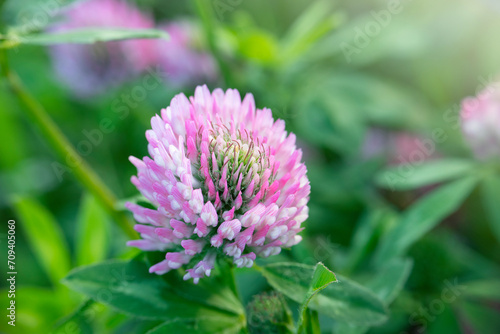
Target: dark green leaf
<point>422,217</point>
<point>483,289</point>
<point>325,121</point>
<point>344,301</point>
<point>311,322</point>
<point>366,235</point>
<point>321,278</point>
<point>386,284</point>
<point>130,288</point>
<point>413,177</point>
<point>390,279</point>
<point>480,318</point>
<point>218,290</point>
<point>77,319</point>
<point>445,322</point>
<point>202,325</point>
<point>491,196</point>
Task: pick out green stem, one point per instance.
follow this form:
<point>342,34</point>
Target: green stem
<point>233,283</point>
<point>76,317</point>
<point>63,148</point>
<point>310,324</point>
<point>227,271</point>
<point>205,12</point>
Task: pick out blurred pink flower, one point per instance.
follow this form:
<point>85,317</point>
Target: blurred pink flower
<point>481,122</point>
<point>398,147</point>
<point>226,180</point>
<point>90,69</point>
<point>182,59</point>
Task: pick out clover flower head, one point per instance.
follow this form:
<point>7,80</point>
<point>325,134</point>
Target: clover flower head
<point>226,181</point>
<point>480,118</point>
<point>89,69</point>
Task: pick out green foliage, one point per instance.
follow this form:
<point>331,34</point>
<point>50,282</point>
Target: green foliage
<point>365,237</point>
<point>77,320</point>
<point>425,174</point>
<point>45,238</point>
<point>390,280</point>
<point>269,313</point>
<point>344,300</point>
<point>483,290</point>
<point>336,108</point>
<point>92,232</point>
<point>316,21</point>
<point>491,193</point>
<point>202,324</point>
<point>128,287</point>
<point>322,277</point>
<point>433,264</point>
<point>42,306</point>
<point>422,217</point>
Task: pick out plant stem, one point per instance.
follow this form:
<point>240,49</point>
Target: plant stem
<point>75,317</point>
<point>63,148</point>
<point>233,282</point>
<point>205,12</point>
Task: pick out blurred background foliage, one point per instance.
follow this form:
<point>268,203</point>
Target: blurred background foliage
<point>409,79</point>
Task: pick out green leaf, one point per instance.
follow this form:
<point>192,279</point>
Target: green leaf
<point>422,217</point>
<point>258,45</point>
<point>390,279</point>
<point>386,284</point>
<point>472,261</point>
<point>321,278</point>
<point>335,108</point>
<point>353,101</point>
<point>316,21</point>
<point>39,307</point>
<point>218,290</point>
<point>130,288</point>
<point>76,319</point>
<point>14,148</point>
<point>491,194</point>
<point>88,35</point>
<point>323,121</point>
<point>366,236</point>
<point>412,177</point>
<point>479,318</point>
<point>45,238</point>
<point>311,322</point>
<point>201,325</point>
<point>446,321</point>
<point>343,301</point>
<point>483,289</point>
<point>92,234</point>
